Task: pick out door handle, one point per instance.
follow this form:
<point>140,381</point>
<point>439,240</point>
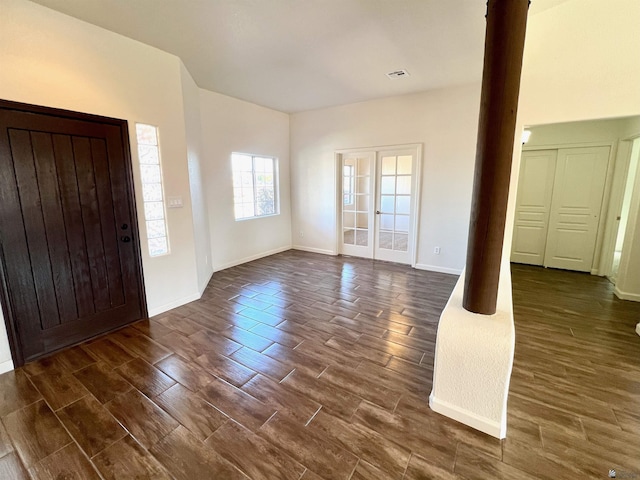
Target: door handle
<point>378,212</point>
<point>125,239</point>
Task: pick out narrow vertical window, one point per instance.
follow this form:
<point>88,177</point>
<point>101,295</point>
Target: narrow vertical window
<point>152,194</point>
<point>255,187</point>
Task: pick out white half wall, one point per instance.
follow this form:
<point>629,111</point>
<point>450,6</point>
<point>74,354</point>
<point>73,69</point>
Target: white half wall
<point>444,121</point>
<point>54,60</point>
<point>474,360</point>
<point>230,125</point>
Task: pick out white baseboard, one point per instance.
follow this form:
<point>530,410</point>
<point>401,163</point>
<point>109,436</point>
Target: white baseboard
<point>251,258</point>
<point>175,304</point>
<point>6,366</point>
<point>435,268</point>
<point>314,250</point>
<point>490,427</point>
<point>634,297</point>
<point>202,287</point>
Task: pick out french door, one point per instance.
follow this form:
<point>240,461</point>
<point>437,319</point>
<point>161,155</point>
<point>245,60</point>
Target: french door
<point>378,193</point>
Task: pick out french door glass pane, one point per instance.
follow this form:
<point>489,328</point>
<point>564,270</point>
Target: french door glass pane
<point>349,236</point>
<point>388,185</point>
<point>403,204</point>
<point>386,222</point>
<point>404,185</point>
<point>388,165</point>
<point>394,202</point>
<point>386,203</point>
<point>402,223</point>
<point>356,175</point>
<point>405,164</point>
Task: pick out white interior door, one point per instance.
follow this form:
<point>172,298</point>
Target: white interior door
<point>533,206</point>
<point>357,219</point>
<point>575,209</point>
<point>395,195</point>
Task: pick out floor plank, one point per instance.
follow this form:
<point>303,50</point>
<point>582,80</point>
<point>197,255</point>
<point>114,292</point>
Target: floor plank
<point>305,366</point>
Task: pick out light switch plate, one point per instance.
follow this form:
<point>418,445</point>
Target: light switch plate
<point>174,202</point>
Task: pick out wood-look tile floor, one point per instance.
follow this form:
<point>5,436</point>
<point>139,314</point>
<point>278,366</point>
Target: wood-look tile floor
<point>303,366</point>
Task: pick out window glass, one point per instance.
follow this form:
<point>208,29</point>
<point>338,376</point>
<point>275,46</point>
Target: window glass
<point>152,196</point>
<point>255,189</point>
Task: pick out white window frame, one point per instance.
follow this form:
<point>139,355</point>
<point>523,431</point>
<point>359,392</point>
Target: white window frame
<point>236,180</point>
<point>148,147</point>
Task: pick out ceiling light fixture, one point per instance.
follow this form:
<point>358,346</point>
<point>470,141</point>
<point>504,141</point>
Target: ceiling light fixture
<point>397,74</point>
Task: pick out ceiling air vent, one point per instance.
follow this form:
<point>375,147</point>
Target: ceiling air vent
<point>398,74</point>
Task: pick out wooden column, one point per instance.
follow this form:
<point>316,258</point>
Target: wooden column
<point>504,44</point>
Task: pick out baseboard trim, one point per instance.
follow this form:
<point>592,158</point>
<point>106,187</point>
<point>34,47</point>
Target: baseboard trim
<point>6,366</point>
<point>175,304</point>
<point>314,250</point>
<point>251,258</point>
<point>634,297</point>
<point>490,427</point>
<point>203,287</point>
<point>435,268</point>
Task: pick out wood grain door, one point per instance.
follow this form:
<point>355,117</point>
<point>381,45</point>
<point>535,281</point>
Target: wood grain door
<point>68,238</point>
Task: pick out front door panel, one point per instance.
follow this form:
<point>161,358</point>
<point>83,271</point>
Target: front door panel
<point>71,269</point>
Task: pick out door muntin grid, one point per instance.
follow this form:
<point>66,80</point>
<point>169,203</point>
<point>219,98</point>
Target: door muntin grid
<point>394,202</point>
<point>356,181</point>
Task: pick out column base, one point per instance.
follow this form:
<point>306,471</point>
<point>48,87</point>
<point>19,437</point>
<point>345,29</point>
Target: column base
<point>473,361</point>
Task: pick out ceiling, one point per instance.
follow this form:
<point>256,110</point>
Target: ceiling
<point>296,55</point>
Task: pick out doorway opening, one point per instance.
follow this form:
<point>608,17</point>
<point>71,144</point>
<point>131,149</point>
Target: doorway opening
<point>622,218</point>
<point>570,193</point>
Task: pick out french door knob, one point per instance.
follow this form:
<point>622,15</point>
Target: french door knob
<point>378,212</point>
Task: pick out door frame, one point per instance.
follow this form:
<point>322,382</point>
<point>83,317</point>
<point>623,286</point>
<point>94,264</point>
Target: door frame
<point>615,205</point>
<point>9,318</point>
<point>415,203</point>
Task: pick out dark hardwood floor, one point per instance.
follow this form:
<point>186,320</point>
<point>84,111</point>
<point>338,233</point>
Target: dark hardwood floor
<point>303,366</point>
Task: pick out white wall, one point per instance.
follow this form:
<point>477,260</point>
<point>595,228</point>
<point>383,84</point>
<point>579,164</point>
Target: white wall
<point>54,60</point>
<point>444,121</point>
<point>231,125</point>
<point>607,131</point>
<point>201,236</point>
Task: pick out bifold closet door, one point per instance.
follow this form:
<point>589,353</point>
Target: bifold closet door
<point>533,206</point>
<point>575,210</point>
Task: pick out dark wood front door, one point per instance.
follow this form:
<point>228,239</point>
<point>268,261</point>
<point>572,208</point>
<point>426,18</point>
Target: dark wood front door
<point>68,233</point>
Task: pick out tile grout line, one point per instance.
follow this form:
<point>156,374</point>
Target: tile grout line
<point>313,416</point>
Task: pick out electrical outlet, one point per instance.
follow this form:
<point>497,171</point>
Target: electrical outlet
<point>301,234</point>
<point>436,250</point>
